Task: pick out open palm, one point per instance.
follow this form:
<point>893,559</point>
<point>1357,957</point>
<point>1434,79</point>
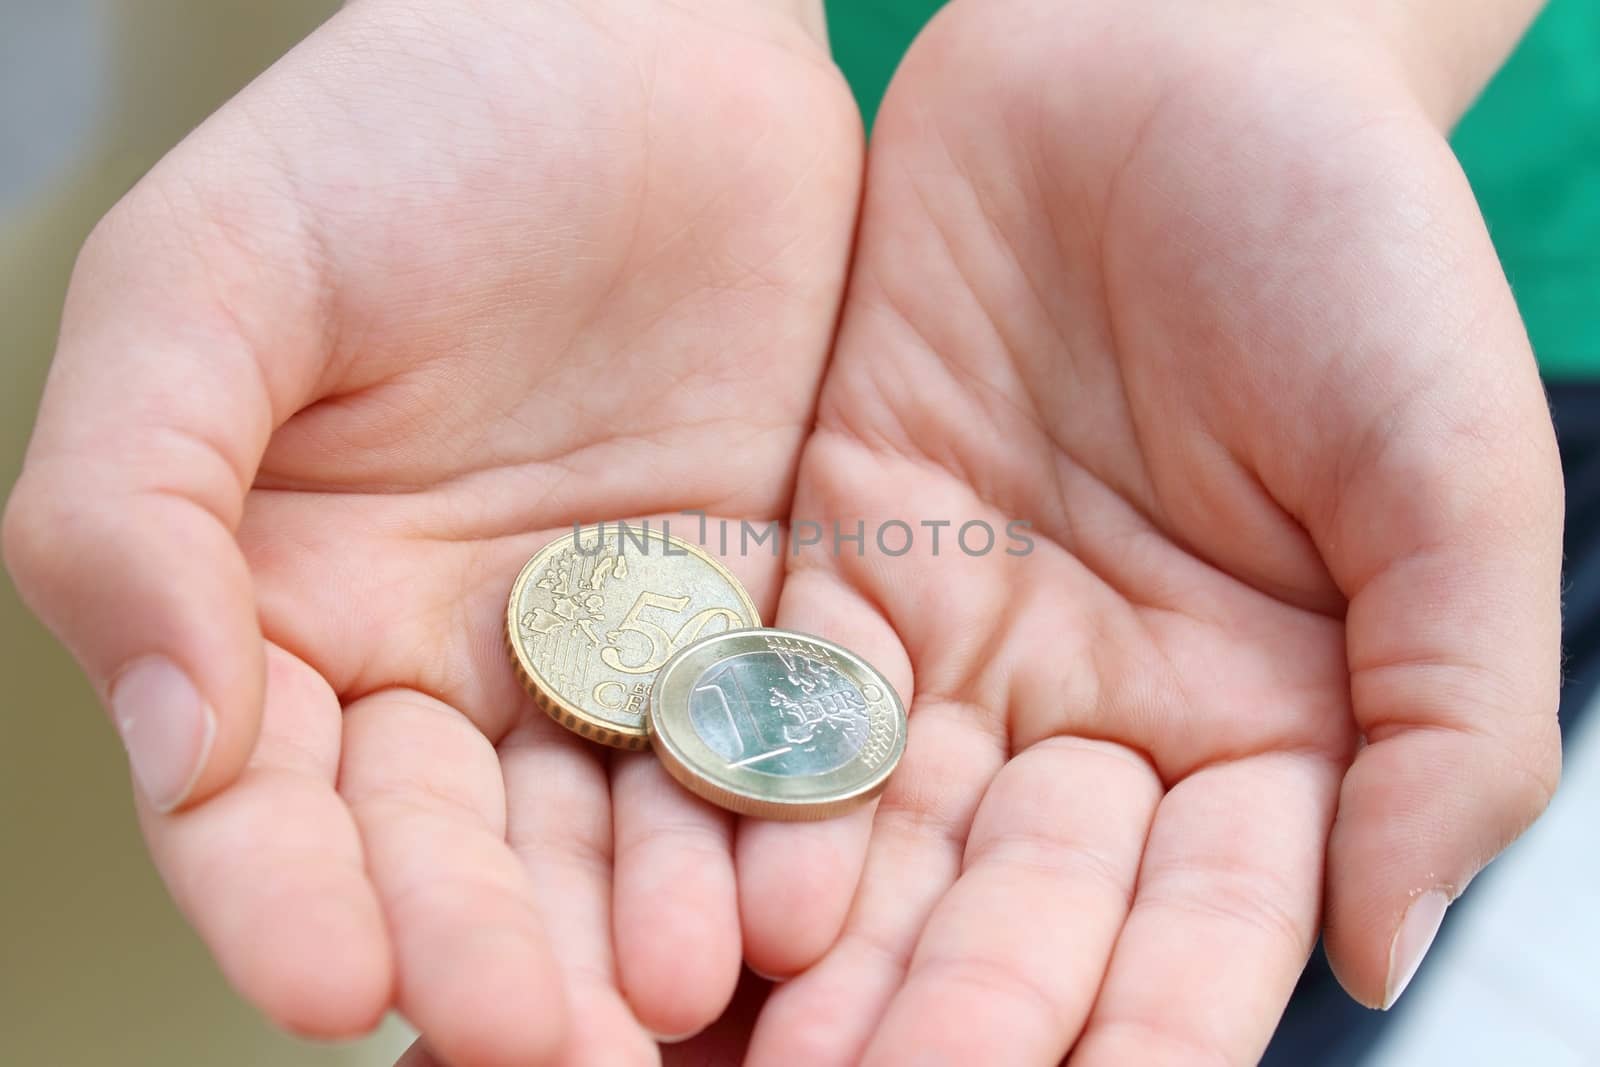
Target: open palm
<point>1221,322</point>
<point>434,288</point>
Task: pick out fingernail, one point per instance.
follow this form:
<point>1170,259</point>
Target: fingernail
<point>1411,942</point>
<point>672,1039</point>
<point>775,979</point>
<point>165,726</point>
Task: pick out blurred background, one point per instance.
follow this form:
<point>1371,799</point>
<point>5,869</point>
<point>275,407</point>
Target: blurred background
<point>95,965</point>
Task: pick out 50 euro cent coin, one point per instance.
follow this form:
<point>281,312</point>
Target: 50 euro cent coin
<point>776,724</point>
<point>596,613</point>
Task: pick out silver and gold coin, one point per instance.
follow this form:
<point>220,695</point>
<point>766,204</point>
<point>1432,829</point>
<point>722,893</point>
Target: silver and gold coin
<point>777,724</point>
<point>596,613</point>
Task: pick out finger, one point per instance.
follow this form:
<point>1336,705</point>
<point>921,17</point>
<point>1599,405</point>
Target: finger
<point>724,1042</point>
<point>796,880</point>
<point>179,352</point>
<point>271,873</point>
<point>827,1014</point>
<point>807,871</point>
<point>1437,507</point>
<point>1453,646</point>
<point>1012,957</point>
<point>558,823</point>
<point>475,972</point>
<point>1224,918</point>
<point>676,910</point>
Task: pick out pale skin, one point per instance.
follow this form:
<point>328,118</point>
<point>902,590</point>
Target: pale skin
<point>1205,300</point>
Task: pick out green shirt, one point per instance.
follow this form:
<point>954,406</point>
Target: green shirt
<point>1531,148</point>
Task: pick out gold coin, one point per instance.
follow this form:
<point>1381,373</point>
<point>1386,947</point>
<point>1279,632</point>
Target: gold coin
<point>595,613</point>
<point>778,724</point>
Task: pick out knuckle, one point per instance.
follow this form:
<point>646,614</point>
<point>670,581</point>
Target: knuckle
<point>161,221</point>
<point>99,247</point>
<point>47,546</point>
<point>100,250</point>
<point>26,534</point>
<point>1523,775</point>
<point>1541,776</point>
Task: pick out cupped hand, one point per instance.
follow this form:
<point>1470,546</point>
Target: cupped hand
<point>442,282</point>
<point>1207,302</point>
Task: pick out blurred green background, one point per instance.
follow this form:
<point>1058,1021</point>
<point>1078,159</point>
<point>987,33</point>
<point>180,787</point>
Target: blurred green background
<point>95,965</point>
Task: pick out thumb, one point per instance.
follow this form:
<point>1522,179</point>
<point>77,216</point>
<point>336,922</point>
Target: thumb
<point>1447,540</point>
<point>120,530</point>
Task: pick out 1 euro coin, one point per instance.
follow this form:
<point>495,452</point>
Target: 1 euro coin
<point>776,724</point>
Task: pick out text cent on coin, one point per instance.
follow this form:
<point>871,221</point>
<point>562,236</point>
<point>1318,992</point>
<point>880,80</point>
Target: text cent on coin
<point>776,724</point>
<point>595,614</point>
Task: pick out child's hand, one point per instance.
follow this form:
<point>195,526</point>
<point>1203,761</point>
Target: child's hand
<point>446,279</point>
<point>1201,293</point>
